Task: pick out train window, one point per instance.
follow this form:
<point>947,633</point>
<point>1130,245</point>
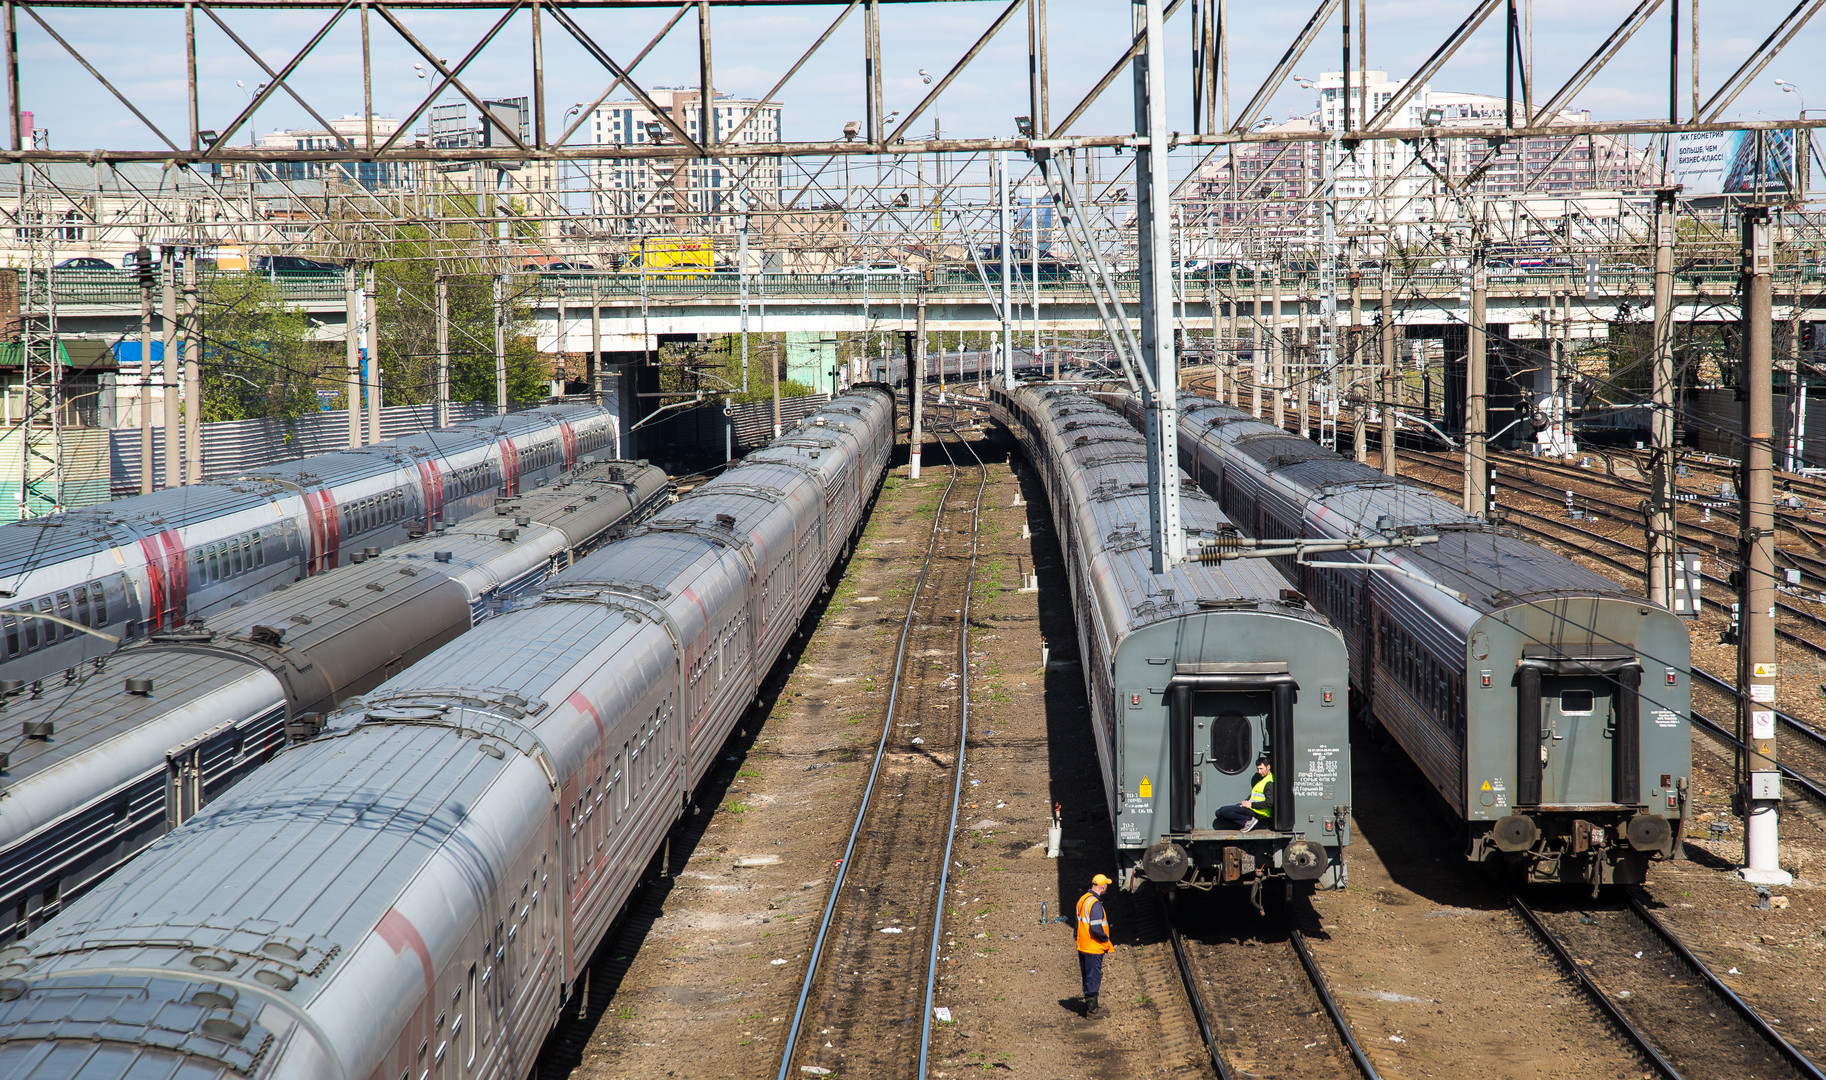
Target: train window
<point>31,630</point>
<point>12,634</point>
<point>82,604</point>
<point>259,549</point>
<point>240,554</point>
<point>1232,744</point>
<point>1576,702</point>
<point>64,609</point>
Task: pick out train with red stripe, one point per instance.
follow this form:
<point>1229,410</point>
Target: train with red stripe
<point>417,889</point>
<point>72,581</point>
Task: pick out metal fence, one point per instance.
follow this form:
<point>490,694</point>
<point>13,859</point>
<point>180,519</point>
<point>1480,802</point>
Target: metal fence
<point>233,446</point>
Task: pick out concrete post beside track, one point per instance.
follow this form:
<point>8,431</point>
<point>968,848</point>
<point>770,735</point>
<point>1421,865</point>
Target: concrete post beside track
<point>352,348</point>
<point>170,373</point>
<point>1476,495</point>
<point>1390,376</point>
<point>1661,521</point>
<point>1759,778</point>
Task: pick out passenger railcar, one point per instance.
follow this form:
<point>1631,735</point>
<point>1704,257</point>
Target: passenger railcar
<point>1191,674</point>
<point>413,892</point>
<point>147,563</point>
<point>137,743</point>
<point>1547,705</point>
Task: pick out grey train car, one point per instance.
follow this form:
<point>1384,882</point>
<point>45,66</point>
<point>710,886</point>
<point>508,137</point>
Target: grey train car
<point>136,744</point>
<point>415,891</point>
<point>148,563</point>
<point>1190,674</point>
<point>1547,705</point>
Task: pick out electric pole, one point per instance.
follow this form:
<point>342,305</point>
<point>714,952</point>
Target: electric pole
<point>1390,381</point>
<point>1661,522</point>
<point>370,320</point>
<point>916,380</point>
<point>1167,541</point>
<point>193,372</point>
<point>442,292</point>
<point>1476,496</point>
<point>1759,778</point>
<point>352,348</point>
<point>500,300</point>
<point>172,373</point>
<point>1007,260</point>
<point>143,259</point>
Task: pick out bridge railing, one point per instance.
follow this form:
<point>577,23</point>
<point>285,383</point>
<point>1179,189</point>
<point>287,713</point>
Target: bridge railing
<point>113,288</point>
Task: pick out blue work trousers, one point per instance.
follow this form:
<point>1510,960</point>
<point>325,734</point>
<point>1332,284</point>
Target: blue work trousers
<point>1090,966</point>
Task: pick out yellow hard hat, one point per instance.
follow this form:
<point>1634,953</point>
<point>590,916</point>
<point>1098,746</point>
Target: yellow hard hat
<point>1101,879</point>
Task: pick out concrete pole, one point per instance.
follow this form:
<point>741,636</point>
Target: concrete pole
<point>1797,388</point>
<point>741,275</point>
<point>193,372</point>
<point>145,370</point>
<point>1258,344</point>
<point>1153,195</point>
<point>352,348</point>
<point>442,289</point>
<point>916,380</point>
<point>370,333</point>
<point>1760,778</point>
<point>1476,495</point>
<point>1301,369</point>
<point>1391,384</point>
<point>1661,503</point>
<point>773,371</point>
<point>1003,235</point>
<point>1277,353</point>
<point>500,304</point>
<point>596,367</point>
<point>170,373</point>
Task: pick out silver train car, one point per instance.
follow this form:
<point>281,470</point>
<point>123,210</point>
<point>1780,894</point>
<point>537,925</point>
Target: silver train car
<point>415,891</point>
<point>102,764</point>
<point>1547,705</point>
<point>147,563</point>
<point>1190,674</point>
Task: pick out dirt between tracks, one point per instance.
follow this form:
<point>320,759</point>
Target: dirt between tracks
<point>712,989</point>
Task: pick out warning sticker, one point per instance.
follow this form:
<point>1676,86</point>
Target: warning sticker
<point>1762,724</point>
<point>1146,790</point>
<point>1763,670</point>
<point>1762,692</point>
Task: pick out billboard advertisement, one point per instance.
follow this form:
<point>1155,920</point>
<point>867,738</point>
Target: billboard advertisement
<point>1733,162</point>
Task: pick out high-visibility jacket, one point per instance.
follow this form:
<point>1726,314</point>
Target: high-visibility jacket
<point>1259,800</point>
<point>1092,924</point>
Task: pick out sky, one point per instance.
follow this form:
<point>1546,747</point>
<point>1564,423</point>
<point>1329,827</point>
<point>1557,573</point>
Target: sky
<point>142,53</point>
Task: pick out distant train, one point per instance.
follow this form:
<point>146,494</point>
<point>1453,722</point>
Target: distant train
<point>1547,705</point>
<point>1191,674</point>
<point>414,891</point>
<point>135,745</point>
<point>147,563</point>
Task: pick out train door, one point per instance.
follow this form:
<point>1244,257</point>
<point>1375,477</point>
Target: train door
<point>1221,724</point>
<point>1575,722</point>
<point>510,468</point>
<point>1582,716</point>
<point>1230,730</point>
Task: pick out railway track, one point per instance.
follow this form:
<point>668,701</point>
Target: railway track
<point>1683,1020</point>
<point>865,1003</point>
<point>1263,1006</point>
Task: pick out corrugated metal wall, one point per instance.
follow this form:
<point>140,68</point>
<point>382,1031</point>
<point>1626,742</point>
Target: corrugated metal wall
<point>754,420</point>
<point>232,446</point>
<point>1714,423</point>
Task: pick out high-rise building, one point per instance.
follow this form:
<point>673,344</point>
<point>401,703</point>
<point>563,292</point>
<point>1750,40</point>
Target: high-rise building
<point>373,175</point>
<point>684,195</point>
<point>1277,186</point>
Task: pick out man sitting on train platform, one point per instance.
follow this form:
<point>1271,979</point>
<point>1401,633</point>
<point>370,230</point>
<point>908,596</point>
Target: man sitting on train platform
<point>1258,807</point>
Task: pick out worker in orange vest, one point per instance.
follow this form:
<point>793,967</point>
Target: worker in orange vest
<point>1093,942</point>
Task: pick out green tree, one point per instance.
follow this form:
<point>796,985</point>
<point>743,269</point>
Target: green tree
<point>406,296</point>
<point>257,357</point>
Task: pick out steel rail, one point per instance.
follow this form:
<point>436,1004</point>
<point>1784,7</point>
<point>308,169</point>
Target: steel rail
<point>1194,997</point>
<point>900,656</point>
<point>1594,991</point>
<point>963,735</point>
<point>1338,1021</point>
<point>1744,1009</point>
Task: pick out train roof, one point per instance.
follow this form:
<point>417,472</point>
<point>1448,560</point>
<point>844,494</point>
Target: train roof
<point>1492,568</point>
<point>1104,462</point>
